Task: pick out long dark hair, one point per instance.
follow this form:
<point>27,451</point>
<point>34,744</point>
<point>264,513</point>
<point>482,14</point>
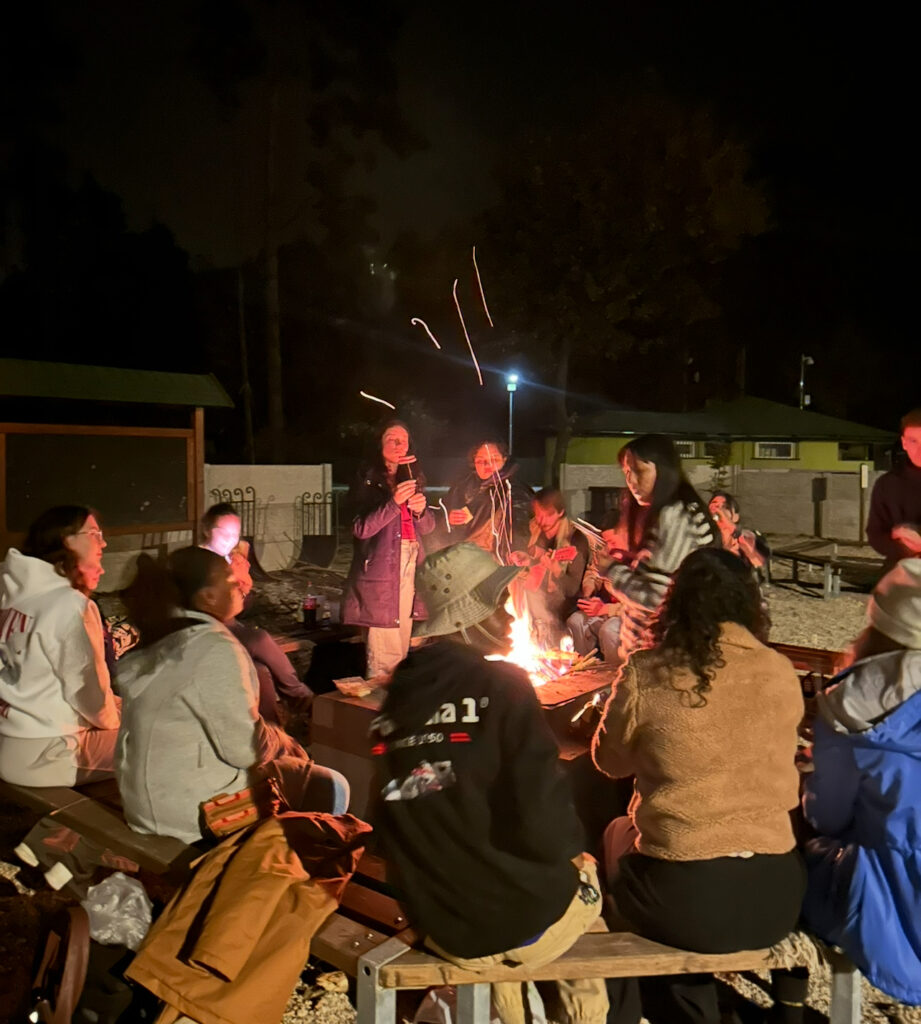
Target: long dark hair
<point>671,486</point>
<point>45,539</point>
<point>160,590</point>
<point>375,472</point>
<point>711,587</point>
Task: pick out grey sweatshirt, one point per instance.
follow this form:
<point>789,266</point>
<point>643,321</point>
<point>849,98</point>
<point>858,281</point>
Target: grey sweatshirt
<point>189,726</point>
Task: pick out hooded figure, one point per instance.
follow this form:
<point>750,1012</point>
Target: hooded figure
<point>58,715</point>
<point>864,798</point>
<point>474,811</point>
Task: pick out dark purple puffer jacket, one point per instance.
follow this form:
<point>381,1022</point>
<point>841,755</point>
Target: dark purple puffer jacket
<point>372,591</point>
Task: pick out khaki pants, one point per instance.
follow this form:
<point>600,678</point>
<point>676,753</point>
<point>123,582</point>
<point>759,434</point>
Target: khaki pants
<point>585,1000</point>
<point>388,647</point>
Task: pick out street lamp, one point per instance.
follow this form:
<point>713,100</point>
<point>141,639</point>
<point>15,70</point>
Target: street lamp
<point>511,386</point>
<point>804,361</point>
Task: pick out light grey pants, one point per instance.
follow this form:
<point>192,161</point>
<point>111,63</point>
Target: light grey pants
<point>85,756</point>
<point>601,631</point>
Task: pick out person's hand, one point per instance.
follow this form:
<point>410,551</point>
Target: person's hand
<point>519,558</point>
<point>404,491</point>
<point>567,554</point>
<point>908,537</point>
<point>590,606</point>
<point>416,503</point>
<point>460,516</point>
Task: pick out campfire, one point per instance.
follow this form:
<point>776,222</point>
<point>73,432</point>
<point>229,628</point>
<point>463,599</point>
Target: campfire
<point>543,663</point>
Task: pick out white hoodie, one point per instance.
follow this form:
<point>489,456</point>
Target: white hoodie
<point>53,675</point>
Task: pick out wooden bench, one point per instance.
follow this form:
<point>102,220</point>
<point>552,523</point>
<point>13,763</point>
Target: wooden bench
<point>94,812</point>
<point>302,638</point>
<point>863,572</point>
<point>370,940</point>
<point>385,967</point>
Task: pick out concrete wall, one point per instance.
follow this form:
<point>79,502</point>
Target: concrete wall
<point>772,500</point>
<point>782,501</point>
<point>278,518</point>
<point>278,512</point>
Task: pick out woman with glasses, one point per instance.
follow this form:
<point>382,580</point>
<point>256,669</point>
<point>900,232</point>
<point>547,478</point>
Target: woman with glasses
<point>58,715</point>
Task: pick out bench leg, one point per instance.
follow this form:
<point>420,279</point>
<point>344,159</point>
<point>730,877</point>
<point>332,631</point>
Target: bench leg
<point>473,1003</point>
<point>827,585</point>
<point>845,990</point>
<point>377,1005</point>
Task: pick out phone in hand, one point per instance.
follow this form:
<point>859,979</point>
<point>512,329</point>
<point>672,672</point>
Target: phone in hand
<point>406,469</point>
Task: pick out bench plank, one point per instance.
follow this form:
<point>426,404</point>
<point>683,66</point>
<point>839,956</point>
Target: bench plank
<point>342,942</point>
<point>161,855</point>
<point>594,955</point>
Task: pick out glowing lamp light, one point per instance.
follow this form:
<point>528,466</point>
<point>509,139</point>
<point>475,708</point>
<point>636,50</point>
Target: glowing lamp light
<point>511,382</point>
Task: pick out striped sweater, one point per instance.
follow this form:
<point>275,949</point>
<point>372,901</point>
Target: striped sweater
<point>642,587</point>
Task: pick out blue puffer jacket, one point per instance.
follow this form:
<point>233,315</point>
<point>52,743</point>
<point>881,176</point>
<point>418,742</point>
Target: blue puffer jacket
<point>864,799</point>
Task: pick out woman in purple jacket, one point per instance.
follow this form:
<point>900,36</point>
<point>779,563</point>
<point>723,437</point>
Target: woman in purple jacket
<point>390,515</point>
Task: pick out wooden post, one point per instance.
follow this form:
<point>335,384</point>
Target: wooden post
<point>197,490</point>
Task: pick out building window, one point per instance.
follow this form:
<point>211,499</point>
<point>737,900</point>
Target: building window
<point>853,452</point>
<point>687,449</point>
<point>775,450</point>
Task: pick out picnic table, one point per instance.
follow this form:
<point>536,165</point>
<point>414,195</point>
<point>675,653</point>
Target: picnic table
<point>858,572</point>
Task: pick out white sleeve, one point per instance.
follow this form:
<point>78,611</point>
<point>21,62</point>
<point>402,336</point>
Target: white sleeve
<point>79,660</point>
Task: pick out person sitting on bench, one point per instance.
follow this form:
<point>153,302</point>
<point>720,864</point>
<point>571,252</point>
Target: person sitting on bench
<point>474,811</point>
<point>748,545</point>
<point>597,621</point>
<point>190,727</point>
<point>558,553</point>
<point>864,797</point>
<point>220,527</point>
<point>58,715</point>
<point>707,722</point>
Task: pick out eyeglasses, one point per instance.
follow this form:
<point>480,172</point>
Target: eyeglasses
<point>96,534</point>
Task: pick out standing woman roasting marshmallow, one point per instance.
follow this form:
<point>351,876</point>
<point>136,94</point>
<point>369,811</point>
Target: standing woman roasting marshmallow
<point>390,515</point>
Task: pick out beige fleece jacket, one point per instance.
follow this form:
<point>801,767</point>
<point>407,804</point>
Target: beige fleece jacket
<point>711,781</point>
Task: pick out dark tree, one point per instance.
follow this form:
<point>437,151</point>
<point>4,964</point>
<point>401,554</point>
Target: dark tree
<point>322,77</point>
<point>609,240</point>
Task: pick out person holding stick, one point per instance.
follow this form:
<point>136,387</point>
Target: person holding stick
<point>390,515</point>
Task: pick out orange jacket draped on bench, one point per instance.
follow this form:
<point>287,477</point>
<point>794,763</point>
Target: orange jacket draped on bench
<point>231,944</point>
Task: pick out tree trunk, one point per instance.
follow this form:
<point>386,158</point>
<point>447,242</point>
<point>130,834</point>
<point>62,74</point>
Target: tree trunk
<point>563,422</point>
<point>246,391</point>
<point>272,310</point>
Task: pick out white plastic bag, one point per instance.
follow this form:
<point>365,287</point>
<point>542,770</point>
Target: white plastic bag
<point>119,911</point>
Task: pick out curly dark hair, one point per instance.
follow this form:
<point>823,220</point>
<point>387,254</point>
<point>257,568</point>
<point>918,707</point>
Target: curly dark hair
<point>711,587</point>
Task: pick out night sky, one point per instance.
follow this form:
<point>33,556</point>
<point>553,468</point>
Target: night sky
<point>823,100</point>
